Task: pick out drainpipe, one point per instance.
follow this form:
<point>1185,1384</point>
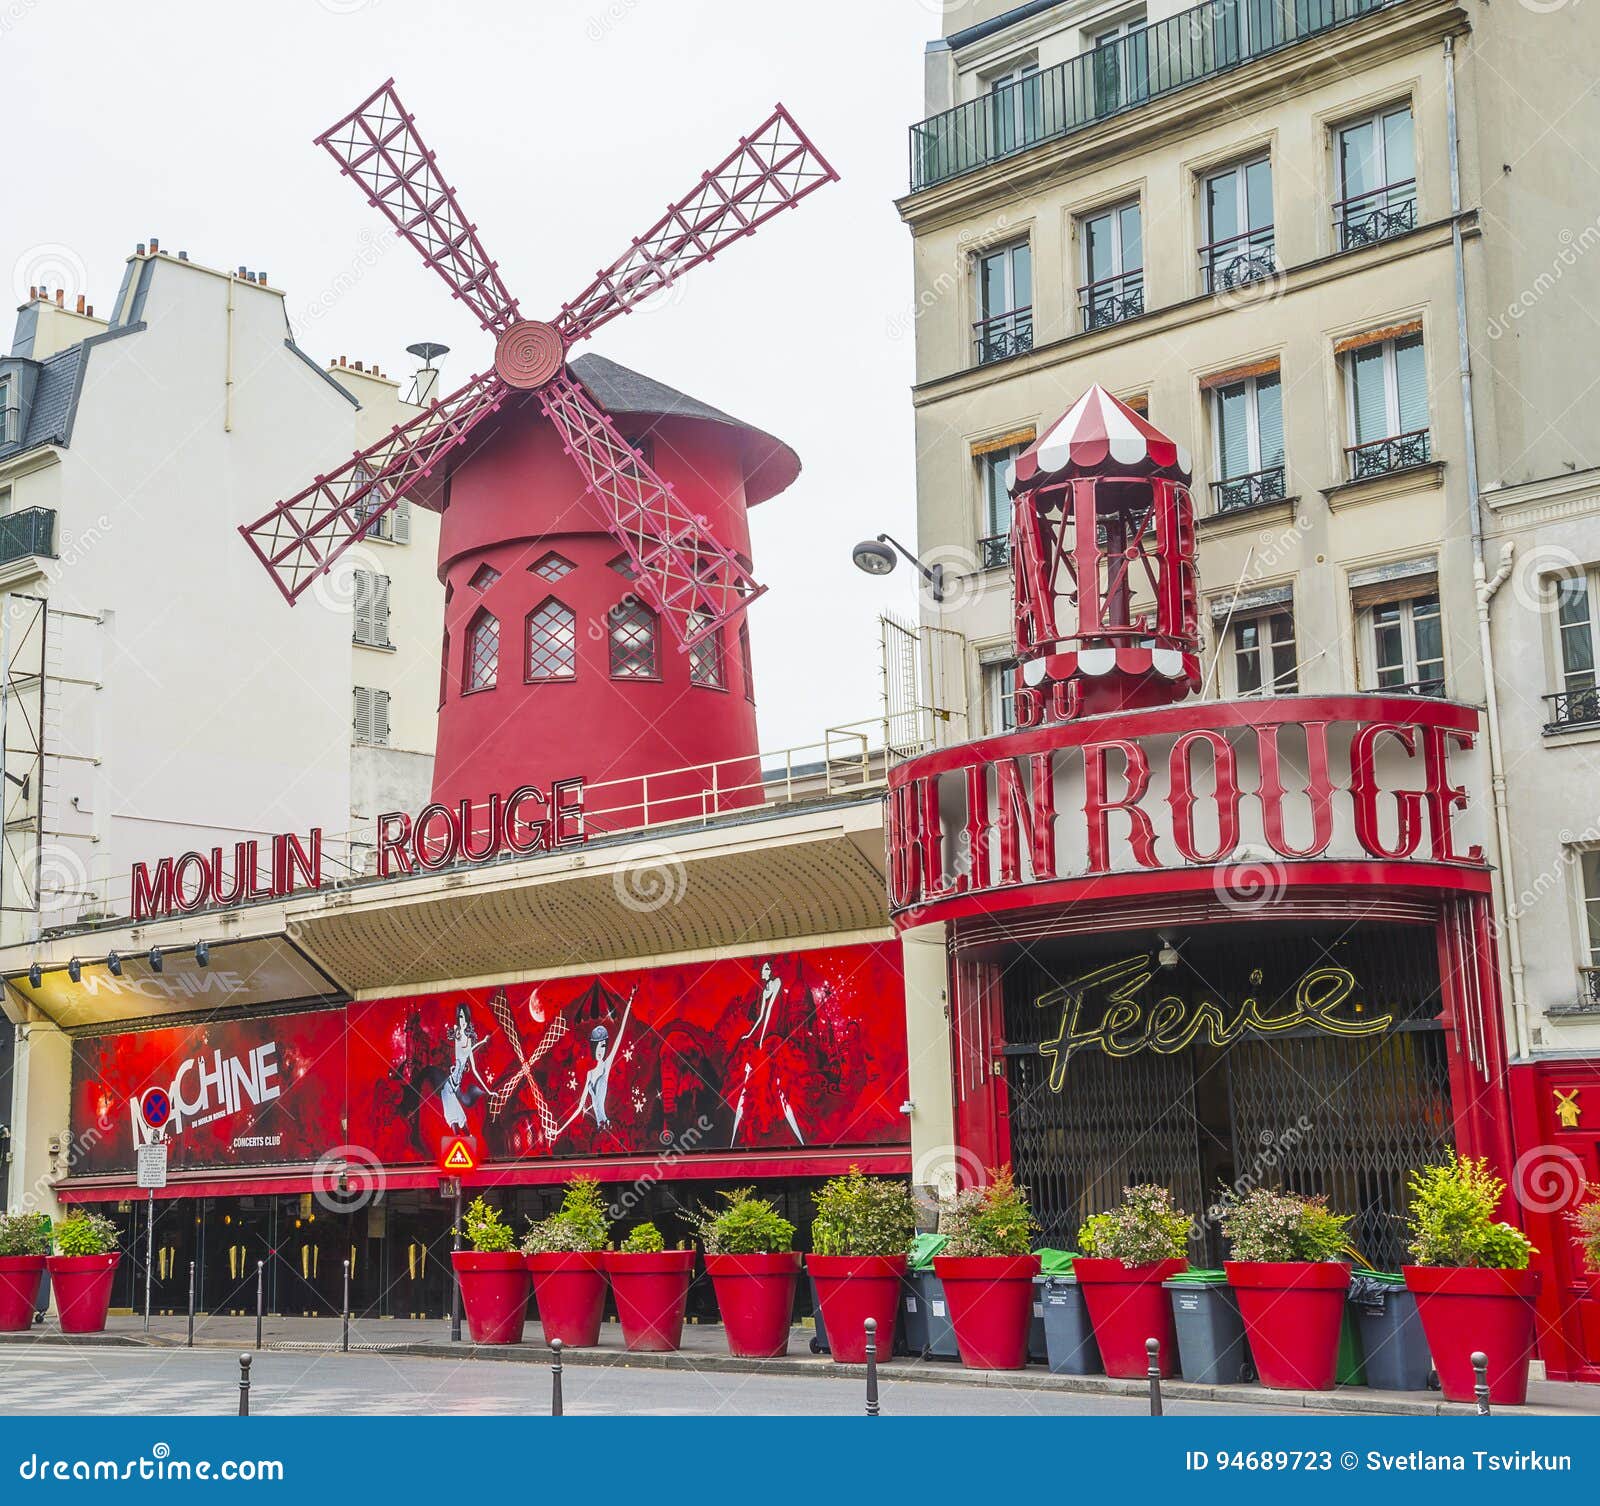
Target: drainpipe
<point>1484,588</point>
<point>227,373</point>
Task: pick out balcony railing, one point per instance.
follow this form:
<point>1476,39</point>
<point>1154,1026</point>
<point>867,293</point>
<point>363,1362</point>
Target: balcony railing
<point>994,552</point>
<point>1183,49</point>
<point>1112,299</point>
<point>1433,688</point>
<point>1368,218</point>
<point>1589,988</point>
<point>1238,261</point>
<point>1378,457</point>
<point>32,530</point>
<point>1004,335</point>
<point>1255,489</point>
<point>1572,708</point>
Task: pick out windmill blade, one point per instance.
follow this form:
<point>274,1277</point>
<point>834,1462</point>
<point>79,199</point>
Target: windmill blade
<point>299,539</point>
<point>378,146</point>
<point>771,170</point>
<point>692,580</point>
<point>556,1030</point>
<point>500,1008</point>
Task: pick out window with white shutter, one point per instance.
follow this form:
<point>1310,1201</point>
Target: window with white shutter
<point>372,608</point>
<point>372,716</point>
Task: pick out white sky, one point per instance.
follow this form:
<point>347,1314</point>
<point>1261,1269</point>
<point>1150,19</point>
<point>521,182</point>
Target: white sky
<point>566,126</point>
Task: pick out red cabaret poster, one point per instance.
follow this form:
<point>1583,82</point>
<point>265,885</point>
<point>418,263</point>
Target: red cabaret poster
<point>225,1093</point>
<point>785,1051</point>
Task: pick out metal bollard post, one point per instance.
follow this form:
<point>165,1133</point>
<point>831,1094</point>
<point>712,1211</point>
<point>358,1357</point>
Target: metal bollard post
<point>1152,1347</point>
<point>244,1385</point>
<point>1480,1381</point>
<point>191,1304</point>
<point>555,1379</point>
<point>872,1367</point>
<point>261,1297</point>
<point>344,1343</point>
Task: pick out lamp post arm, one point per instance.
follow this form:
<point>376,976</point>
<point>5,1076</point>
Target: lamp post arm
<point>933,574</point>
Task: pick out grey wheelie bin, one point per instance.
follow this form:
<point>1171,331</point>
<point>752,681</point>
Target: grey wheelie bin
<point>1069,1336</point>
<point>924,1315</point>
<point>1392,1341</point>
<point>1212,1349</point>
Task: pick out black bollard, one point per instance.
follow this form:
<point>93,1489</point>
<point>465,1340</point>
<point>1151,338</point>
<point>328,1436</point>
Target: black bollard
<point>244,1385</point>
<point>191,1304</point>
<point>872,1367</point>
<point>261,1297</point>
<point>344,1343</point>
<point>555,1378</point>
<point>1152,1347</point>
<point>1480,1381</point>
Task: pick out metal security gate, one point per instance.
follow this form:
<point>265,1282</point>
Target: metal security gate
<point>1304,1107</point>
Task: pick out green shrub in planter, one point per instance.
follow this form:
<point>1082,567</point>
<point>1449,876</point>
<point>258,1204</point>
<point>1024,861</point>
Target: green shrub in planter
<point>1452,1218</point>
<point>81,1233</point>
<point>1141,1230</point>
<point>749,1225</point>
<point>862,1215</point>
<point>643,1239</point>
<point>24,1234</point>
<point>579,1224</point>
<point>1585,1220</point>
<point>1267,1225</point>
<point>990,1220</point>
<point>486,1231</point>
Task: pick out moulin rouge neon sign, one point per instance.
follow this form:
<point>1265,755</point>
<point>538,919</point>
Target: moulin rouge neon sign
<point>528,820</point>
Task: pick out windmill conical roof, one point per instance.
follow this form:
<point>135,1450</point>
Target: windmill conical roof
<point>1100,435</point>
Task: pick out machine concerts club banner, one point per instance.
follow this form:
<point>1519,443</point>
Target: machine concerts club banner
<point>794,1049</point>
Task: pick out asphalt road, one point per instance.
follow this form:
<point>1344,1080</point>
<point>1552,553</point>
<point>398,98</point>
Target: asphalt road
<point>50,1380</point>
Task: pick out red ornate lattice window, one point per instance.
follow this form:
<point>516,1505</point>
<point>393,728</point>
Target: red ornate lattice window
<point>633,641</point>
<point>483,653</point>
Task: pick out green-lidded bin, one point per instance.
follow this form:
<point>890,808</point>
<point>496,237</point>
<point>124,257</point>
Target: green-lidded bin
<point>1351,1369</point>
<point>1051,1263</point>
<point>1070,1348</point>
<point>1394,1348</point>
<point>1212,1348</point>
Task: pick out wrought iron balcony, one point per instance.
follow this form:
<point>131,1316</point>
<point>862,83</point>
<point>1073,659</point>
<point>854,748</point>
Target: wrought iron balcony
<point>1368,218</point>
<point>1433,689</point>
<point>1379,457</point>
<point>1588,988</point>
<point>1572,708</point>
<point>1238,261</point>
<point>1184,49</point>
<point>32,530</point>
<point>1112,300</point>
<point>1004,335</point>
<point>994,552</point>
<point>1255,489</point>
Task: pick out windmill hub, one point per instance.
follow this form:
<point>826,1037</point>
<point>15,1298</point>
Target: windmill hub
<point>529,353</point>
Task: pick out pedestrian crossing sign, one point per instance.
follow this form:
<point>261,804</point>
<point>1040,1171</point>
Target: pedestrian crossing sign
<point>456,1153</point>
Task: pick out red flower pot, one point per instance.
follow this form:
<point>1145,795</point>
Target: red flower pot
<point>1293,1311</point>
<point>1127,1307</point>
<point>569,1289</point>
<point>82,1288</point>
<point>651,1288</point>
<point>756,1296</point>
<point>851,1289</point>
<point>991,1306</point>
<point>494,1294</point>
<point>1464,1309</point>
<point>19,1290</point>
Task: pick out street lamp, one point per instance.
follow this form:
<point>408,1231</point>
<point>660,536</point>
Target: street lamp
<point>876,557</point>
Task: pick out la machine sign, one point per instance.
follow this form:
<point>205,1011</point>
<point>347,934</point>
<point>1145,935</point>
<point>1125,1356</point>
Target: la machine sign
<point>529,820</point>
<point>1312,784</point>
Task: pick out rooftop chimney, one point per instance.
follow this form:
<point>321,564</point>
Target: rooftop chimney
<point>155,245</point>
<point>80,303</point>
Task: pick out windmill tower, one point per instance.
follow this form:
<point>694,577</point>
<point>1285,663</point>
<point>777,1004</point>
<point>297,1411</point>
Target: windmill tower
<point>594,546</point>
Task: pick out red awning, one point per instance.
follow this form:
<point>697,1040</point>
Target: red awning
<point>1100,435</point>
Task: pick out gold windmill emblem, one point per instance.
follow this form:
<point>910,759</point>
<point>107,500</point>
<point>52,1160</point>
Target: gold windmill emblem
<point>1568,1109</point>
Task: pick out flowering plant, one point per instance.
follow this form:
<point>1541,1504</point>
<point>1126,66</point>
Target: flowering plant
<point>1142,1229</point>
<point>991,1220</point>
<point>1267,1225</point>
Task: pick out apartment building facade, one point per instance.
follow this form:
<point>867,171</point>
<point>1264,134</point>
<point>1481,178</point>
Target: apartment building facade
<point>1335,248</point>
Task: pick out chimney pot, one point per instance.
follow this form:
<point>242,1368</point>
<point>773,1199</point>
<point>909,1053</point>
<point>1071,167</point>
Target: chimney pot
<point>155,245</point>
<point>183,256</point>
<point>61,298</point>
<point>80,303</point>
<point>140,248</point>
<point>90,311</point>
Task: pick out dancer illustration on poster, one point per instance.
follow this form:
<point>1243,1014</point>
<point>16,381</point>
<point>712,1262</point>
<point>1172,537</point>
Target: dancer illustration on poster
<point>765,1063</point>
<point>597,1083</point>
<point>456,1094</point>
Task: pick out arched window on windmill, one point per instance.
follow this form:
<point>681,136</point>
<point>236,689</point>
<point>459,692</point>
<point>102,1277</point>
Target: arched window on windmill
<point>705,657</point>
<point>633,641</point>
<point>483,653</point>
<point>552,641</point>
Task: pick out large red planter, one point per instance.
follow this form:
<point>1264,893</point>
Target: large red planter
<point>569,1288</point>
<point>652,1289</point>
<point>494,1294</point>
<point>19,1290</point>
<point>1464,1309</point>
<point>81,1285</point>
<point>755,1294</point>
<point>851,1289</point>
<point>991,1306</point>
<point>1293,1311</point>
<point>1127,1306</point>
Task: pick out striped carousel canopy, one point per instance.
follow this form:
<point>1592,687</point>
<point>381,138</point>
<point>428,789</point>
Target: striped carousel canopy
<point>1098,436</point>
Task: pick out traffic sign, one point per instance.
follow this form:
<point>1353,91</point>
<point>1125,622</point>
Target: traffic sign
<point>458,1153</point>
<point>155,1107</point>
<point>449,1187</point>
<point>152,1169</point>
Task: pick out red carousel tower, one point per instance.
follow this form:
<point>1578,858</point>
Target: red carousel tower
<point>595,549</point>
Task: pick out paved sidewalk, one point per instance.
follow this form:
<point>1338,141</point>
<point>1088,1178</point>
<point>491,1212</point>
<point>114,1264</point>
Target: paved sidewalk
<point>704,1349</point>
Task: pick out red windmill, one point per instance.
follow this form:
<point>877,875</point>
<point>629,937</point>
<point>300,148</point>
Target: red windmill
<point>529,503</point>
